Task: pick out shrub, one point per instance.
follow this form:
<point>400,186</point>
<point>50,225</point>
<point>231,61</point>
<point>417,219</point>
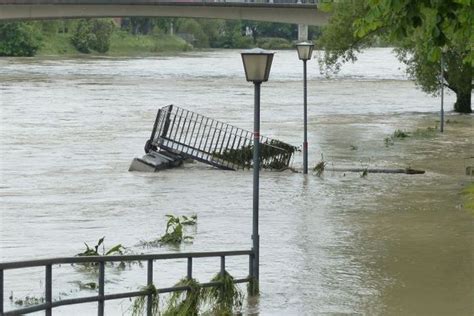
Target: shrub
<point>193,28</point>
<point>19,39</point>
<point>92,35</point>
<point>274,43</point>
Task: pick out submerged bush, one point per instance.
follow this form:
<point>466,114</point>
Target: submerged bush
<point>225,298</point>
<point>139,303</point>
<point>187,302</point>
<point>94,251</point>
<point>174,234</point>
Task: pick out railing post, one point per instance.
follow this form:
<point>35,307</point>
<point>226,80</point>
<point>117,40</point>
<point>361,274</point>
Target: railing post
<point>48,289</point>
<point>222,265</point>
<point>1,291</point>
<point>253,283</point>
<point>149,283</point>
<point>190,268</point>
<point>251,265</point>
<point>167,121</point>
<point>100,311</point>
<point>155,126</point>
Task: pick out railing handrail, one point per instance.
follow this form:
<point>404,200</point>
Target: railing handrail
<point>143,257</point>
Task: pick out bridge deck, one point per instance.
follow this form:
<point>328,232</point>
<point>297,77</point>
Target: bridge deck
<point>235,10</point>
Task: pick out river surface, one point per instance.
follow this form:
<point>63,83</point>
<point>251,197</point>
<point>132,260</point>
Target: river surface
<point>386,244</point>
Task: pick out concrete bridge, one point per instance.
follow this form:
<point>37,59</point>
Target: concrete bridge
<point>270,10</point>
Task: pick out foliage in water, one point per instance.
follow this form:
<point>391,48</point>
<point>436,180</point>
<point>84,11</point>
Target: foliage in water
<point>274,154</point>
<point>320,167</point>
<point>418,133</point>
<point>226,298</point>
<point>400,134</point>
<point>365,173</point>
<point>174,234</point>
<point>100,250</point>
<point>139,303</point>
<point>186,302</point>
<point>27,300</point>
<point>94,251</point>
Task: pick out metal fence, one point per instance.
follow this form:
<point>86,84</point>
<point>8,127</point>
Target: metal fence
<point>212,142</point>
<point>49,304</point>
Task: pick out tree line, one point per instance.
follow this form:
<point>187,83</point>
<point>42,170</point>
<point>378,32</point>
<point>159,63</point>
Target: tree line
<point>423,32</point>
<point>94,35</point>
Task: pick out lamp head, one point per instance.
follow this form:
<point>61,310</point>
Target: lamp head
<point>305,50</point>
<point>257,64</point>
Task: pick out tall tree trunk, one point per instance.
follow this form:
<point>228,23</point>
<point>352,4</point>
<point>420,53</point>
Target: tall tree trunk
<point>463,102</point>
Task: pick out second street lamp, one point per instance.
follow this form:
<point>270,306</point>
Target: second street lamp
<point>305,50</point>
<point>257,65</point>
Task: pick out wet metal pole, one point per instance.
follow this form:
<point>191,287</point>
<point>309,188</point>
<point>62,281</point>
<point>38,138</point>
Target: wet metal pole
<point>256,181</point>
<point>441,80</point>
<point>257,64</point>
<point>305,140</point>
<point>305,50</point>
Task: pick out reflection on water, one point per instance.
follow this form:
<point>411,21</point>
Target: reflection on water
<point>385,244</point>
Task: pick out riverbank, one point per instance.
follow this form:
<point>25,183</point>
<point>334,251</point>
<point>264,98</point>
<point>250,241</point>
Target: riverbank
<point>121,44</point>
<point>124,44</point>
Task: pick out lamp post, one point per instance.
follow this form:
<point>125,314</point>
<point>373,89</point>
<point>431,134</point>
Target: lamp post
<point>257,65</point>
<point>305,50</point>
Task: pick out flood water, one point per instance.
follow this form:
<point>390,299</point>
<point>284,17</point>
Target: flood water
<point>390,244</point>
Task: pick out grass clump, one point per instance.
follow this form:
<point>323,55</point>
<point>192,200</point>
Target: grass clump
<point>97,250</point>
<point>425,132</point>
<point>27,300</point>
<point>320,167</point>
<point>174,234</point>
<point>274,154</point>
<point>400,134</point>
<point>388,141</point>
<point>226,298</point>
<point>94,251</point>
<point>139,303</point>
<point>187,302</point>
<point>418,133</point>
<point>221,300</point>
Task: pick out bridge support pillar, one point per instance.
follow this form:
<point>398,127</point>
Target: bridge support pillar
<point>302,32</point>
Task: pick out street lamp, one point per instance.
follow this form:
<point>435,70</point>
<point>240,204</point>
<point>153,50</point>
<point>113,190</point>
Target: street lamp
<point>305,50</point>
<point>257,64</point>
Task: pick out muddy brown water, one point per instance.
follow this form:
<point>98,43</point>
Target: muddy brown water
<point>341,244</point>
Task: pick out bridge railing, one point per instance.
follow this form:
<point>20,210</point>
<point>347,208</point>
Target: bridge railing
<point>213,142</point>
<point>101,261</point>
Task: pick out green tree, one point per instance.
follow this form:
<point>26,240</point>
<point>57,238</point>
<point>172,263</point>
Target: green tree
<point>19,39</point>
<point>192,27</point>
<point>102,30</point>
<point>421,30</point>
<point>92,35</point>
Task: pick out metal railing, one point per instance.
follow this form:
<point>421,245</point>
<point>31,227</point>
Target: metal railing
<point>212,142</point>
<point>49,304</point>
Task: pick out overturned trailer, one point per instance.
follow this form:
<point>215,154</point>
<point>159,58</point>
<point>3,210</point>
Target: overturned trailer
<point>179,134</point>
